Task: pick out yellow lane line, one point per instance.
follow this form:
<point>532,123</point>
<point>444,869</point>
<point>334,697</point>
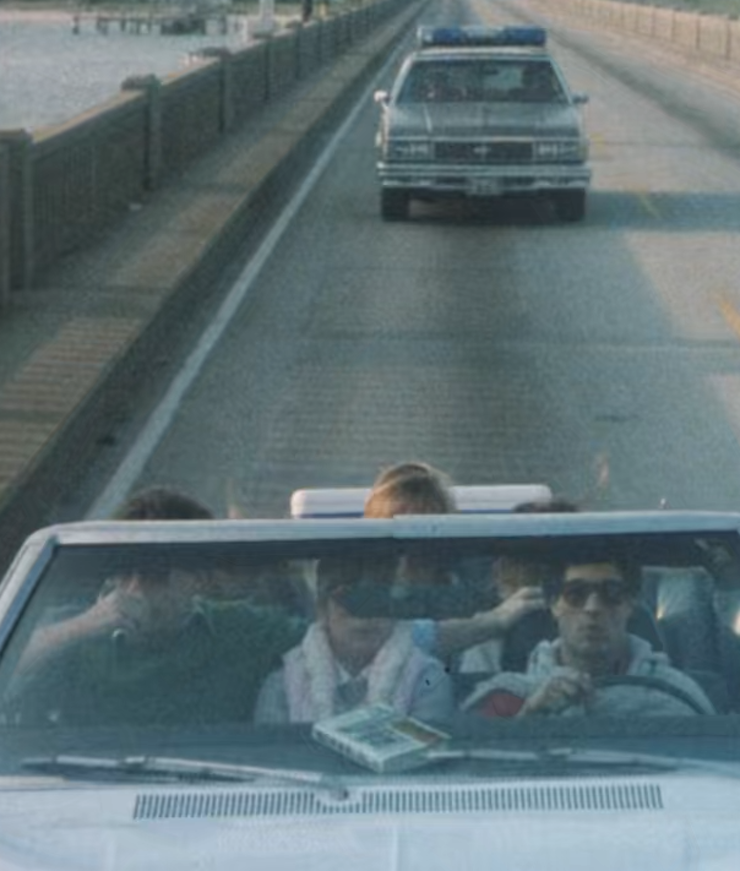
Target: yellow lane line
<point>729,313</point>
<point>648,204</point>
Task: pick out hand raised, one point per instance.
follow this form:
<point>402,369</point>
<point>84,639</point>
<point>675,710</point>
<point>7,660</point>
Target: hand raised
<point>523,601</point>
<point>119,609</point>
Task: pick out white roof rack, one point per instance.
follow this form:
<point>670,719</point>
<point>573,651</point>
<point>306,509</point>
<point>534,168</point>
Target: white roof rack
<point>345,502</point>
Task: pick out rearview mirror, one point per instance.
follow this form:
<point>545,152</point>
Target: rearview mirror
<point>580,99</point>
<point>380,97</point>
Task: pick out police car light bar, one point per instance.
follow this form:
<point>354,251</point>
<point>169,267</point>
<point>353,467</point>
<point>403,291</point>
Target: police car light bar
<point>349,502</point>
<point>439,37</point>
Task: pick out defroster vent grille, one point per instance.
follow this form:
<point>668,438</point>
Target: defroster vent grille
<point>370,801</point>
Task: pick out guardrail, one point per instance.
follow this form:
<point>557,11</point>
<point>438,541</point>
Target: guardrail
<point>715,36</point>
<point>60,189</point>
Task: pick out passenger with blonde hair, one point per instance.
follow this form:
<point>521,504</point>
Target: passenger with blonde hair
<point>410,488</point>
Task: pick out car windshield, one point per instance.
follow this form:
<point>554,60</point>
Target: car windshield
<point>232,651</point>
<point>481,80</point>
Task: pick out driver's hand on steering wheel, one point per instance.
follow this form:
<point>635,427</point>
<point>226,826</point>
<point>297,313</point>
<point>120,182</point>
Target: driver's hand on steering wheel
<point>558,693</point>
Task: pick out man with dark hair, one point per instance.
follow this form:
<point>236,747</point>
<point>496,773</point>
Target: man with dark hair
<point>162,503</point>
<point>153,649</point>
<point>592,603</point>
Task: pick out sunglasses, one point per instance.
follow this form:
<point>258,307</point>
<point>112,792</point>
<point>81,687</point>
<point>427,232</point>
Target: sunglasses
<point>611,592</point>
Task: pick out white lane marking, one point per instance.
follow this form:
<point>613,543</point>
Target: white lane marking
<point>163,415</point>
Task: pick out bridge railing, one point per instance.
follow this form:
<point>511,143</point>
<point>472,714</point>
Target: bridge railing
<point>715,36</point>
<point>62,188</point>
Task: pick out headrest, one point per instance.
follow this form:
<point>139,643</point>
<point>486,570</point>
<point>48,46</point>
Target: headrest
<point>347,502</point>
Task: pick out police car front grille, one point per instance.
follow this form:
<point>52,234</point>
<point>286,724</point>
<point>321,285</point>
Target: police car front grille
<point>484,152</point>
<point>418,800</point>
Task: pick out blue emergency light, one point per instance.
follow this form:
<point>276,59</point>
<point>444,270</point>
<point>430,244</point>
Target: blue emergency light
<point>441,37</point>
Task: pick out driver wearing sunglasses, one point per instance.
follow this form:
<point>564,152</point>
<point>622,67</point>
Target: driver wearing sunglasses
<point>583,671</point>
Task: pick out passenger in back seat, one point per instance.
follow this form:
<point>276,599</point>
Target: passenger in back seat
<point>518,583</point>
<point>417,488</point>
<point>152,650</point>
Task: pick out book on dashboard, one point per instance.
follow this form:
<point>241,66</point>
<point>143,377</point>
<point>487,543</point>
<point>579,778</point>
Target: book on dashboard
<point>379,738</point>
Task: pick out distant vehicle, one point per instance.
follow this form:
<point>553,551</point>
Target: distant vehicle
<point>131,740</point>
<point>482,112</point>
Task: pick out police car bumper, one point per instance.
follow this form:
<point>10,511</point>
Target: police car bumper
<point>440,180</point>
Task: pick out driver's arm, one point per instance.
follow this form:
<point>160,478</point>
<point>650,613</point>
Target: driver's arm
<point>558,693</point>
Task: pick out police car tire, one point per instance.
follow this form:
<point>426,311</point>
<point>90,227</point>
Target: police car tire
<point>570,205</point>
<point>394,204</point>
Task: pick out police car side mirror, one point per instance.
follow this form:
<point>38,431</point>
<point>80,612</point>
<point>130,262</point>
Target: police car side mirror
<point>381,97</point>
<point>580,99</point>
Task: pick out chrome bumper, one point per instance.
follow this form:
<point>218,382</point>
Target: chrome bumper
<point>484,180</point>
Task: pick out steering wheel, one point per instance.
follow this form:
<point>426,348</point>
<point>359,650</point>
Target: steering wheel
<point>651,683</point>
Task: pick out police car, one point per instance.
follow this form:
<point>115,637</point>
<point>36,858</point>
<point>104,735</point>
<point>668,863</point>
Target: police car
<point>482,112</point>
<point>179,733</point>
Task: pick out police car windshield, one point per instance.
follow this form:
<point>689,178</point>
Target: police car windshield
<point>481,80</point>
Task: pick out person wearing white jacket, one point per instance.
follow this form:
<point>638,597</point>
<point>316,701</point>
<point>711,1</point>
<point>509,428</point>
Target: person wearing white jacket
<point>595,666</point>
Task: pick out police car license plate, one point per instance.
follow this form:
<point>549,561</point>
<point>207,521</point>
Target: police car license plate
<point>484,187</point>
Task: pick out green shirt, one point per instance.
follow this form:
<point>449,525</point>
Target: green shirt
<point>210,672</point>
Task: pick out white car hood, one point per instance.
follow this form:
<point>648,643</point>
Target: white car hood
<point>671,823</point>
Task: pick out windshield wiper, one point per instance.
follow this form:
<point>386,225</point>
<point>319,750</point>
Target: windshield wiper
<point>487,753</point>
<point>617,758</point>
<point>564,757</point>
<point>177,769</point>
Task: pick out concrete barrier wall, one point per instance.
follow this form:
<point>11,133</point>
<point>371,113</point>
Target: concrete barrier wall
<point>686,30</point>
<point>645,21</point>
<point>85,175</point>
<point>733,52</point>
<point>16,243</point>
<point>630,14</point>
<point>309,50</point>
<point>283,64</point>
<point>714,36</point>
<point>65,187</point>
<point>664,23</point>
<point>249,82</point>
<point>190,116</point>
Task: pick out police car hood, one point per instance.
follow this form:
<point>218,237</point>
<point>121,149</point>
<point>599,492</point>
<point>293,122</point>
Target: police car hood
<point>670,822</point>
<point>480,120</point>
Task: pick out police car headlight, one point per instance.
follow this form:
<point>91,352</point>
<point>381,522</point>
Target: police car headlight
<point>561,149</point>
<point>410,149</point>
